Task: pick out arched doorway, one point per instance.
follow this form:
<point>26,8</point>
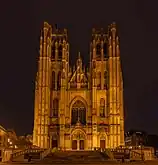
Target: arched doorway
<point>102,141</point>
<point>54,142</point>
<point>78,113</point>
<point>78,140</point>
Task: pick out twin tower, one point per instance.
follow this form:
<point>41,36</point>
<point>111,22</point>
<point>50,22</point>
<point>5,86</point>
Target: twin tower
<point>79,108</point>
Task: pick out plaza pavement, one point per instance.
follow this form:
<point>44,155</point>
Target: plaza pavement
<point>155,162</point>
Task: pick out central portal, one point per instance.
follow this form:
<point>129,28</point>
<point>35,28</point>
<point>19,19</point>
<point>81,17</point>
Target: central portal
<point>81,144</point>
<point>74,144</point>
<point>78,140</point>
<point>78,121</point>
<point>77,144</point>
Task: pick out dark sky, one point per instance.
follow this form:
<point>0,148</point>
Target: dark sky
<point>20,26</point>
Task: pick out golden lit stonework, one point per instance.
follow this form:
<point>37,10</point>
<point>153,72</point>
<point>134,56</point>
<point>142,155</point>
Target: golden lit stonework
<point>79,108</point>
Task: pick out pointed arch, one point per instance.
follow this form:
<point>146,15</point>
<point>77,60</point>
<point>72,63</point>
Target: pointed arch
<point>79,107</point>
<point>99,80</point>
<point>78,133</point>
<point>78,98</point>
<point>103,140</point>
<point>53,53</point>
<point>53,80</point>
<point>105,80</point>
<point>60,49</point>
<point>55,107</point>
<point>105,50</point>
<point>78,113</point>
<point>98,49</point>
<point>59,80</point>
<point>102,107</point>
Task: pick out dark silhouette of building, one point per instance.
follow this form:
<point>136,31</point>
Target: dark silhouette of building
<point>135,138</point>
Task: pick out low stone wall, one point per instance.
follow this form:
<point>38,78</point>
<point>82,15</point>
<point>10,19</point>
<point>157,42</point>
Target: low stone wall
<point>146,153</point>
<point>6,155</point>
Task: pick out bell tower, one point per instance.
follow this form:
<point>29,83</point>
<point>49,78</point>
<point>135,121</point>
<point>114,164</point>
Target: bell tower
<point>115,90</point>
<point>98,67</point>
<point>42,90</point>
<point>59,69</point>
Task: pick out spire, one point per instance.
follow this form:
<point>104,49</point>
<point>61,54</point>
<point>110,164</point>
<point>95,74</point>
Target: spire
<point>113,30</point>
<point>79,60</point>
<point>79,55</point>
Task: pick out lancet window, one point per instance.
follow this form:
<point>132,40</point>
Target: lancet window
<point>105,80</point>
<point>55,107</point>
<point>102,107</point>
<point>99,80</point>
<point>53,80</point>
<point>105,50</point>
<point>59,80</point>
<point>53,52</point>
<point>98,50</point>
<point>60,52</point>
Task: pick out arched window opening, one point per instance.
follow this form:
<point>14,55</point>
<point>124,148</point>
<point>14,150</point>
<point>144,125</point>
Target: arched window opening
<point>99,80</point>
<point>98,50</point>
<point>60,52</point>
<point>105,50</point>
<point>53,53</point>
<point>105,80</point>
<point>74,116</point>
<point>59,80</point>
<point>102,107</point>
<point>55,107</point>
<point>53,80</point>
<point>78,113</point>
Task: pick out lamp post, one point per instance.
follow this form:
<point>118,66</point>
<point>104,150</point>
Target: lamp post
<point>142,156</point>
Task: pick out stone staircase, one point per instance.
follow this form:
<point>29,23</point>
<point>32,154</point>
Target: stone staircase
<point>74,157</point>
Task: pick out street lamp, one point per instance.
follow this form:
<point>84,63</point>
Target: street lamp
<point>141,146</point>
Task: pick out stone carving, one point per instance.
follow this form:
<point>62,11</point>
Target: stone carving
<point>78,136</point>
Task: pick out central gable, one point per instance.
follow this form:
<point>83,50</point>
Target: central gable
<point>79,74</point>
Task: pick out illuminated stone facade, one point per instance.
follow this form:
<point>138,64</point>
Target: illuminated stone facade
<point>79,108</point>
<point>3,137</point>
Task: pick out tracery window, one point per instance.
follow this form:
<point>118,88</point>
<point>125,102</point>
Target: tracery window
<point>102,107</point>
<point>59,80</point>
<point>78,113</point>
<point>55,107</point>
<point>99,80</point>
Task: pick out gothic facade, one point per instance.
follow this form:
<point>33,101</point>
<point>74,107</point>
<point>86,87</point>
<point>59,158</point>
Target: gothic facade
<point>79,108</point>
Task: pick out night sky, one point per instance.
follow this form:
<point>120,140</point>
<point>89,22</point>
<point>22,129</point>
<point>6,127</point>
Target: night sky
<point>20,26</point>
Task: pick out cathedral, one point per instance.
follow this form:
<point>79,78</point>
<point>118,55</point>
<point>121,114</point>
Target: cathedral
<point>78,107</point>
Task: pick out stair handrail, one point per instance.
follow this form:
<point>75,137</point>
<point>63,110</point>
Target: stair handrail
<point>45,153</point>
<point>109,153</point>
<point>22,152</point>
<point>133,154</point>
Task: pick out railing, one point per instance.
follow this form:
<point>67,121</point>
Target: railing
<point>136,155</point>
<point>109,154</point>
<point>45,153</point>
<point>19,153</point>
